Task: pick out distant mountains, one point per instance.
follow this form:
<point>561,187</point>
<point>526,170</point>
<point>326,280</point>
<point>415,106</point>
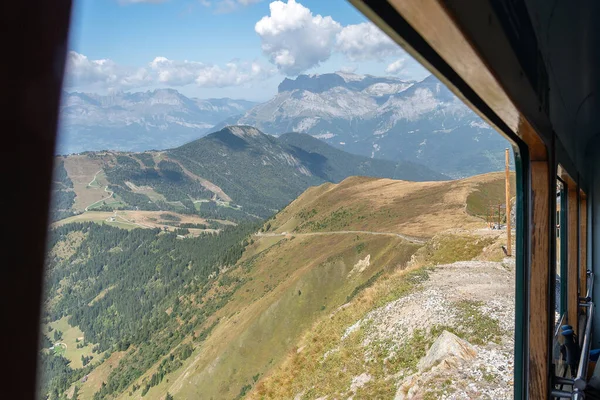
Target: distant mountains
<point>386,118</point>
<point>156,119</point>
<point>377,117</point>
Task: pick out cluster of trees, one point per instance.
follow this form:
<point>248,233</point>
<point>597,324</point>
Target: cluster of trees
<point>140,273</point>
<point>182,231</point>
<point>45,343</point>
<point>169,364</point>
<point>57,375</point>
<point>169,217</point>
<point>85,360</point>
<point>146,159</point>
<point>60,175</point>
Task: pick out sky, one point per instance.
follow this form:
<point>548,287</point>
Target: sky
<point>240,49</point>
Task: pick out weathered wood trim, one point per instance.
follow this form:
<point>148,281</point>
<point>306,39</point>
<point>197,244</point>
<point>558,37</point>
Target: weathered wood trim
<point>573,258</point>
<point>431,19</point>
<point>539,281</point>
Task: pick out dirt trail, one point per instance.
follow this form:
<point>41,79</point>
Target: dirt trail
<point>399,235</point>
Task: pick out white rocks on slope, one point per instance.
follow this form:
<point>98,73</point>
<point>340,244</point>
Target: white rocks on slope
<point>452,368</point>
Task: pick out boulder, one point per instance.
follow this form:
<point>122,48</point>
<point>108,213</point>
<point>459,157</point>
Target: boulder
<point>447,349</point>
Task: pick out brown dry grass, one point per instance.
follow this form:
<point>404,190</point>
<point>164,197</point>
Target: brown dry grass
<point>81,170</point>
<point>68,247</point>
<point>420,209</point>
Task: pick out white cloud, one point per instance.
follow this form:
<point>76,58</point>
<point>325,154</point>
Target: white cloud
<point>107,75</point>
<point>396,67</point>
<point>294,39</point>
<point>365,41</point>
<point>180,73</point>
<point>349,69</point>
<point>176,73</point>
<point>104,73</point>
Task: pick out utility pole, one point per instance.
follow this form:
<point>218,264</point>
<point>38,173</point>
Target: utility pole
<point>508,227</point>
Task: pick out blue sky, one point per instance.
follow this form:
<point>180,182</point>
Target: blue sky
<point>218,48</point>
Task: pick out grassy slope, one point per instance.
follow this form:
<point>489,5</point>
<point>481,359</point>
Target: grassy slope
<point>287,294</point>
<point>331,354</point>
<point>292,284</point>
<point>420,209</point>
<point>489,194</point>
<point>70,334</point>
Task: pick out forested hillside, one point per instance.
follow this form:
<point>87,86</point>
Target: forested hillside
<point>142,290</point>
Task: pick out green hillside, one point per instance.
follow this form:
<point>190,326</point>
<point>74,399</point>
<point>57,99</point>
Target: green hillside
<point>254,169</point>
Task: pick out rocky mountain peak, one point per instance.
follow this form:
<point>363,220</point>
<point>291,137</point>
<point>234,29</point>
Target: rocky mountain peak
<point>244,131</point>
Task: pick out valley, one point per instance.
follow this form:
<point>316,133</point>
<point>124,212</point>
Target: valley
<point>294,306</point>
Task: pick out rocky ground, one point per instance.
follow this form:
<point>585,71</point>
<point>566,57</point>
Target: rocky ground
<point>471,299</point>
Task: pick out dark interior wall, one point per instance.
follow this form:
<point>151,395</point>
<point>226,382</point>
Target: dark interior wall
<point>33,43</point>
<point>568,39</point>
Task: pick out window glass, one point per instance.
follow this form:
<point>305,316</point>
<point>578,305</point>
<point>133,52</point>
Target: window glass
<point>271,199</point>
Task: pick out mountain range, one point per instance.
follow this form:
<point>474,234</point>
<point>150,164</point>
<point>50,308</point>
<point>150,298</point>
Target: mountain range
<point>384,118</point>
<point>158,119</point>
<point>262,173</point>
<point>377,117</point>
